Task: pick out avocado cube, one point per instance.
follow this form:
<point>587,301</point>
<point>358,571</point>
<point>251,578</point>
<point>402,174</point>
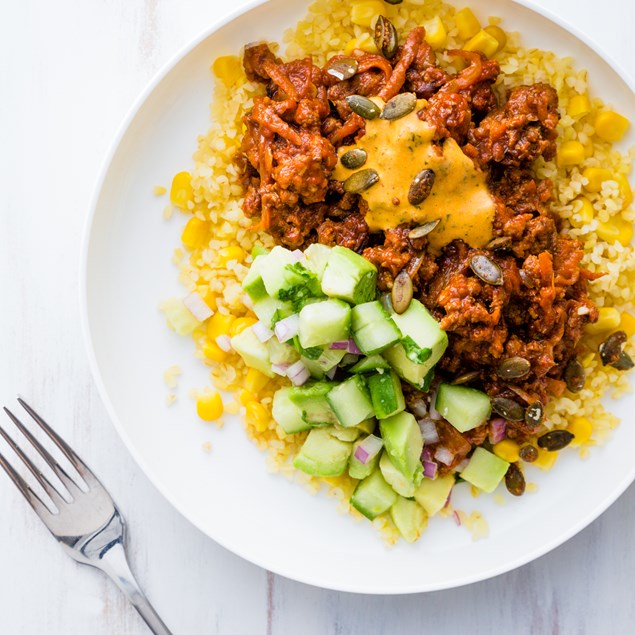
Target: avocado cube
<point>485,470</point>
<point>404,443</point>
<point>322,454</point>
<point>409,518</point>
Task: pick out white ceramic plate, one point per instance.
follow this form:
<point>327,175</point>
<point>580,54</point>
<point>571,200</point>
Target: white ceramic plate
<point>228,494</point>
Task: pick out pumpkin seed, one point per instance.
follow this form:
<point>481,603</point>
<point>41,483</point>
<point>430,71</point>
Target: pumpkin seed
<point>514,480</point>
<point>611,348</point>
<point>363,106</point>
<point>399,106</point>
<point>574,376</point>
<point>502,243</point>
<point>466,378</point>
<point>361,181</point>
<point>534,414</point>
<point>386,38</point>
<point>513,368</point>
<point>343,68</point>
<point>401,294</point>
<point>528,453</point>
<point>354,159</point>
<point>555,440</point>
<point>423,230</point>
<point>394,1</point>
<point>486,269</point>
<point>508,409</point>
<point>421,187</point>
<point>527,279</point>
<point>624,362</point>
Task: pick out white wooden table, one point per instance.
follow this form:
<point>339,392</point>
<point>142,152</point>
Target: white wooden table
<point>69,70</point>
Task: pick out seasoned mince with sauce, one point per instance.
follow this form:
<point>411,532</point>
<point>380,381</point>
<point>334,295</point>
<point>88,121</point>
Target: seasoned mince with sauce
<point>481,149</point>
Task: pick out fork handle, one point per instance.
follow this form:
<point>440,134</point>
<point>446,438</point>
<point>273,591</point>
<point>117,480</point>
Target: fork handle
<point>115,565</point>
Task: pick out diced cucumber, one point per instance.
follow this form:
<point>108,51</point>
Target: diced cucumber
<point>286,414</point>
<point>324,322</point>
<point>254,352</point>
<point>271,310</point>
<point>253,284</point>
<point>373,496</point>
<point>386,394</point>
<point>345,434</point>
<point>351,402</point>
<point>273,269</point>
<point>359,470</point>
<point>395,478</point>
<point>311,399</point>
<point>372,327</point>
<point>409,518</point>
<point>432,494</point>
<point>327,359</point>
<point>281,353</point>
<point>368,426</point>
<point>349,276</point>
<point>370,364</point>
<point>485,470</point>
<point>316,255</point>
<point>404,443</point>
<point>465,408</point>
<point>322,454</point>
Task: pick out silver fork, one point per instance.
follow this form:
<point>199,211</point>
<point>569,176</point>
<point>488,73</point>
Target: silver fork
<point>90,528</point>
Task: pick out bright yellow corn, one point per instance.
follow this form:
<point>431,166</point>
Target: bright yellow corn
<point>582,212</point>
<point>436,34</point>
<point>158,190</point>
<point>507,450</point>
<point>579,105</point>
<point>213,351</point>
<point>482,42</point>
<point>240,324</point>
<point>219,324</point>
<point>545,459</point>
<point>616,229</point>
<point>608,320</point>
<point>245,397</point>
<point>610,126</point>
<point>570,153</point>
<point>194,232</point>
<point>582,429</point>
<point>467,24</point>
<point>499,34</point>
<point>255,381</point>
<point>228,69</point>
<point>595,178</point>
<point>587,359</point>
<point>364,43</point>
<point>363,12</point>
<point>588,149</point>
<point>625,189</point>
<point>209,406</point>
<point>257,416</point>
<point>181,191</point>
<point>234,252</point>
<point>627,324</point>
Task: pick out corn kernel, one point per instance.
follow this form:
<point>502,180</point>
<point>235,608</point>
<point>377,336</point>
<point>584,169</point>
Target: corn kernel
<point>545,459</point>
<point>498,33</point>
<point>362,13</point>
<point>627,324</point>
<point>209,406</point>
<point>579,105</point>
<point>194,232</point>
<point>245,397</point>
<point>257,416</point>
<point>582,429</point>
<point>608,320</point>
<point>158,190</point>
<point>589,149</point>
<point>234,252</point>
<point>625,189</point>
<point>255,381</point>
<point>595,178</point>
<point>583,212</point>
<point>610,126</point>
<point>467,24</point>
<point>570,153</point>
<point>213,351</point>
<point>364,43</point>
<point>436,34</point>
<point>181,191</point>
<point>507,450</point>
<point>482,42</point>
<point>228,69</point>
<point>616,229</point>
<point>219,324</point>
<point>587,359</point>
<point>240,324</point>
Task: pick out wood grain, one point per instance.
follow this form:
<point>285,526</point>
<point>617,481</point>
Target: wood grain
<point>69,71</point>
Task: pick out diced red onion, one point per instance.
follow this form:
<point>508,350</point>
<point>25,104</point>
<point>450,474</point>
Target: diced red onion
<point>298,373</point>
<point>342,345</point>
<point>462,465</point>
<point>447,500</point>
<point>419,408</point>
<point>429,431</point>
<point>430,469</point>
<point>280,369</point>
<point>195,304</point>
<point>262,332</point>
<point>331,373</point>
<point>426,454</point>
<point>224,343</point>
<point>287,328</point>
<point>443,455</point>
<point>368,449</point>
<point>349,359</point>
<point>353,348</point>
<point>297,255</point>
<point>457,518</point>
<point>497,430</point>
<point>434,413</point>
